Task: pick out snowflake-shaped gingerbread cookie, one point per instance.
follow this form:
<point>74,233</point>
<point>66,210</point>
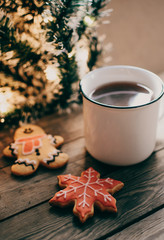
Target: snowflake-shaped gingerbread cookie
<point>85,191</point>
<point>31,147</point>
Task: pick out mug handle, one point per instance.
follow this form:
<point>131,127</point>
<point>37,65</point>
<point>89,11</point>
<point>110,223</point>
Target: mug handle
<point>161,108</point>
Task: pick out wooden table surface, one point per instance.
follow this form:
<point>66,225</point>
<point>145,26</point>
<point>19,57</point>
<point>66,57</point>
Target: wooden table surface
<point>26,214</point>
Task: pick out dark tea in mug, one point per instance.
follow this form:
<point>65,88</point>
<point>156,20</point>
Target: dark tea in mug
<point>122,94</point>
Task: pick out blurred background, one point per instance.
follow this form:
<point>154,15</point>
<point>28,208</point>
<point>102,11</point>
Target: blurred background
<point>135,34</point>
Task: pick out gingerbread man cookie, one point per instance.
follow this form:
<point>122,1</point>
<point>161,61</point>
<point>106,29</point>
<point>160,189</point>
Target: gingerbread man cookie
<point>85,191</point>
<point>31,147</point>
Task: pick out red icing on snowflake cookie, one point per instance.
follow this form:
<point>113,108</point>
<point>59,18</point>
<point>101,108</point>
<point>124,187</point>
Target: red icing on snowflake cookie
<point>85,191</point>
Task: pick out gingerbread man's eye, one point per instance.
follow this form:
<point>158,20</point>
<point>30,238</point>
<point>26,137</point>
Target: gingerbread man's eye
<point>28,130</point>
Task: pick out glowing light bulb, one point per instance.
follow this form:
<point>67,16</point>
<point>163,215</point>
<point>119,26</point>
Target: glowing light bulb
<point>89,21</point>
<point>2,120</point>
<point>82,53</point>
<point>5,105</point>
<point>48,19</point>
<point>52,73</point>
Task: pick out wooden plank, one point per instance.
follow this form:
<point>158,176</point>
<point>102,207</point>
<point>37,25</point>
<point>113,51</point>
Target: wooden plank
<point>68,125</point>
<point>19,194</point>
<point>76,151</point>
<point>149,228</point>
<point>23,190</point>
<point>143,193</point>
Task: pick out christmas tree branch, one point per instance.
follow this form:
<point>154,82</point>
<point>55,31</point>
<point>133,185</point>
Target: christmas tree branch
<point>45,47</point>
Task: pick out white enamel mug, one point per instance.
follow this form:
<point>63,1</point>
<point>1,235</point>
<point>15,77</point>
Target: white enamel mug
<point>120,135</point>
